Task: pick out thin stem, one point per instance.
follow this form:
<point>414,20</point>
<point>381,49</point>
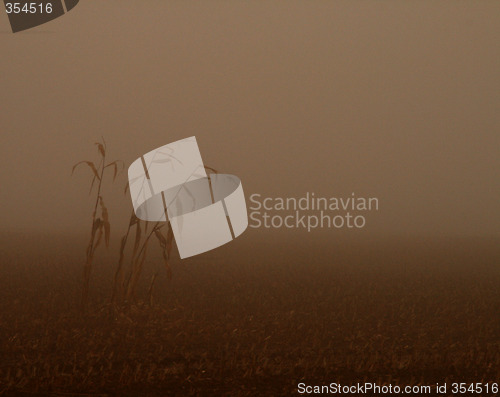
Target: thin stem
<point>87,269</point>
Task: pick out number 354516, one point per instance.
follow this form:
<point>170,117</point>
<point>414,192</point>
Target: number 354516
<point>28,8</point>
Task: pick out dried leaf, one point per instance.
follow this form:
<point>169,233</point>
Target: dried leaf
<point>105,221</point>
<point>171,156</point>
<point>100,148</point>
<point>99,236</point>
<point>143,256</point>
<point>137,238</point>
<point>151,288</point>
<point>92,184</point>
<point>122,249</point>
<point>213,171</point>
<point>133,220</point>
<point>104,210</point>
<point>90,164</point>
<point>161,239</point>
<point>96,225</point>
<point>107,233</point>
<point>114,164</point>
<point>164,251</point>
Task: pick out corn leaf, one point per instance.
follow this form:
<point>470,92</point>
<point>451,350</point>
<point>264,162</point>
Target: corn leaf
<point>90,164</point>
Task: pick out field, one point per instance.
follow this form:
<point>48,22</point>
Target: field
<point>255,317</point>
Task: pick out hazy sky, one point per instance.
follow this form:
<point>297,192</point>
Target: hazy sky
<point>394,99</point>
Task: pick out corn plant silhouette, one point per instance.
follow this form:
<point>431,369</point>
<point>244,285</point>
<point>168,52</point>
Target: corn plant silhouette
<point>125,284</point>
<point>100,220</point>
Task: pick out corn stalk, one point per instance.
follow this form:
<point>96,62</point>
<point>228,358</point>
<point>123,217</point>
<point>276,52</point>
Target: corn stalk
<point>100,219</point>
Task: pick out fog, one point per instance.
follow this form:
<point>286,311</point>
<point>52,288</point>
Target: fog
<point>394,100</point>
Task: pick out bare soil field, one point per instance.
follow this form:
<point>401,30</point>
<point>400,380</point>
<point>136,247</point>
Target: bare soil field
<point>251,318</point>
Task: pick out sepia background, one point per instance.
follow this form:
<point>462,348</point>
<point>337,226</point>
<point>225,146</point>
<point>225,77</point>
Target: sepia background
<point>388,99</point>
<point>398,100</point>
